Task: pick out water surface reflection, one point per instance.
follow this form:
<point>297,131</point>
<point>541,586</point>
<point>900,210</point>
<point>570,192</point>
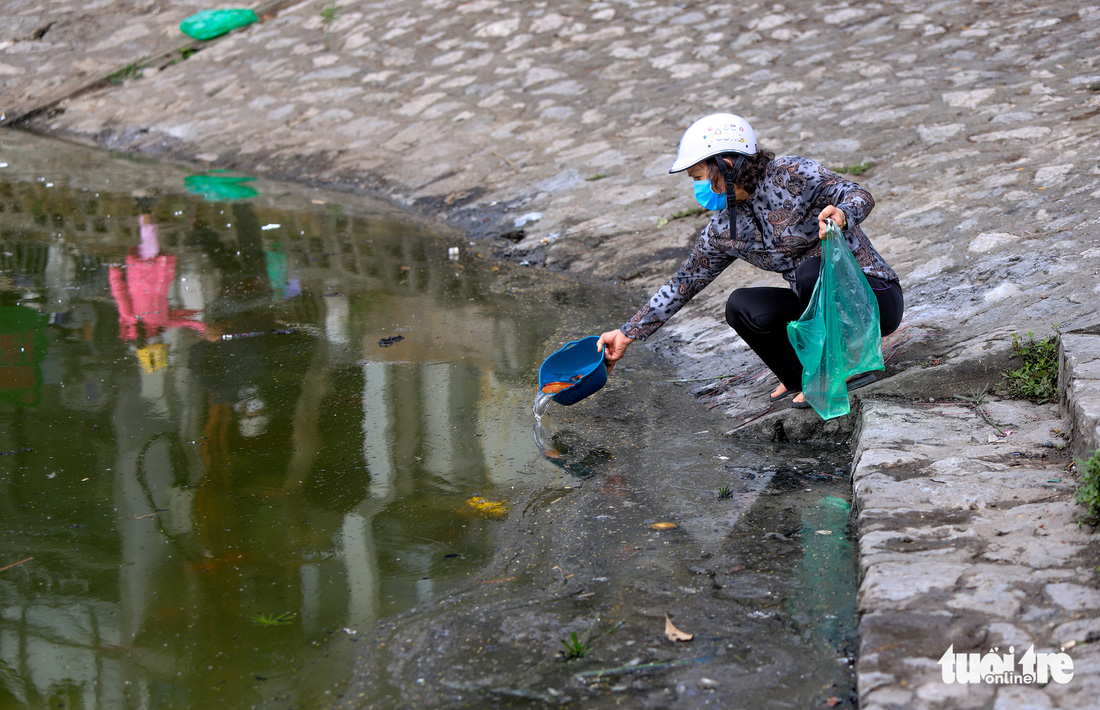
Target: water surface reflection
<point>231,433</point>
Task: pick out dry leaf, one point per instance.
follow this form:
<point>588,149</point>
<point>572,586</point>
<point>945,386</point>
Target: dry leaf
<point>675,634</point>
<point>664,526</point>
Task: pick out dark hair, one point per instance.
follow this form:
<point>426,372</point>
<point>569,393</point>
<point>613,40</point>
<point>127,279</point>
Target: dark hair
<point>752,171</point>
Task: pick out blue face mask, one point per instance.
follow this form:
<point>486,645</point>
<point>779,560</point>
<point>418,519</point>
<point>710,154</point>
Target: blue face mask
<point>706,197</point>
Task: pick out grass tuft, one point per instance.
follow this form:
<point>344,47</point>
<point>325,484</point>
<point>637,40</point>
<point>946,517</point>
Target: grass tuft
<point>576,648</point>
<point>689,212</point>
<point>854,169</point>
<point>1088,489</point>
<point>130,71</point>
<point>1037,378</point>
<point>329,13</point>
<point>268,620</point>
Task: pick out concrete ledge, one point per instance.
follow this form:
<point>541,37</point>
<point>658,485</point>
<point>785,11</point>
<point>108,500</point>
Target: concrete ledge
<point>968,370</point>
<point>1079,383</point>
<point>968,541</point>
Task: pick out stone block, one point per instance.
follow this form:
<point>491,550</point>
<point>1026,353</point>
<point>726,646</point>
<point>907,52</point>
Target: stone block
<point>1022,698</point>
<point>1073,597</point>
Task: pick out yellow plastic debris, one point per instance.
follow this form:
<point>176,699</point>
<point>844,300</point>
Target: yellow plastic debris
<point>488,508</point>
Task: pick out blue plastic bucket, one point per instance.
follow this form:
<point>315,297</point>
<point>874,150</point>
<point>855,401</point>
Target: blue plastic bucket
<point>579,357</point>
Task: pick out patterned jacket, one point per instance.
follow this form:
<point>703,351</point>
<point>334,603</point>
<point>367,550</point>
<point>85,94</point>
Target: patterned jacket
<point>776,230</point>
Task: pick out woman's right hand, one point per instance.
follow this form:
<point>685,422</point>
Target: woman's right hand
<point>616,343</point>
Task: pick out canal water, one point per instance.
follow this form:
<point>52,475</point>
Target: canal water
<point>267,446</point>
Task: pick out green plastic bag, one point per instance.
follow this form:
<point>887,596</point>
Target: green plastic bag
<point>839,334</point>
<point>209,24</point>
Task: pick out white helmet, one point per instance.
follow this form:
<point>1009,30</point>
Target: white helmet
<point>712,135</point>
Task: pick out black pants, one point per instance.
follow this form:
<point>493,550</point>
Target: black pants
<point>760,316</point>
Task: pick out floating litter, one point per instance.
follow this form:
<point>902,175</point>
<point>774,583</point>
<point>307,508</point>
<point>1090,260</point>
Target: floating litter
<point>488,508</point>
<point>529,217</point>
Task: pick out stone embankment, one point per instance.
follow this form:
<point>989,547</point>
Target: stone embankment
<point>546,129</point>
<point>968,539</point>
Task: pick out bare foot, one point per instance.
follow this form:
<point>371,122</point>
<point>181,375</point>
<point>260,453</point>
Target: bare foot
<point>799,398</point>
<point>779,390</point>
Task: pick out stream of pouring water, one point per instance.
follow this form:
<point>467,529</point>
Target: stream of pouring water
<point>542,403</point>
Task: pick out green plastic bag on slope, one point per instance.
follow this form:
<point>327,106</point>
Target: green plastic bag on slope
<point>839,334</point>
<point>209,24</point>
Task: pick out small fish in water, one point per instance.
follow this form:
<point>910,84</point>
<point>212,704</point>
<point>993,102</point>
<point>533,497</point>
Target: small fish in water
<point>555,387</point>
<point>386,342</point>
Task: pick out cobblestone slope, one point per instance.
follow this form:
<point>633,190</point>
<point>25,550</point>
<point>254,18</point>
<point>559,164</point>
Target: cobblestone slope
<point>547,129</point>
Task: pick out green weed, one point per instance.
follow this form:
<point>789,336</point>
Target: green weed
<point>267,620</point>
<point>854,169</point>
<point>689,212</point>
<point>580,648</point>
<point>329,13</point>
<point>597,176</point>
<point>130,71</point>
<point>1037,378</point>
<point>185,54</point>
<point>576,648</point>
<point>724,492</point>
<point>977,398</point>
<point>1088,488</point>
<point>977,401</point>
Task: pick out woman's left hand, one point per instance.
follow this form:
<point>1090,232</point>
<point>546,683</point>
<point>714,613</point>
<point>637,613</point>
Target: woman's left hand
<point>834,213</point>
